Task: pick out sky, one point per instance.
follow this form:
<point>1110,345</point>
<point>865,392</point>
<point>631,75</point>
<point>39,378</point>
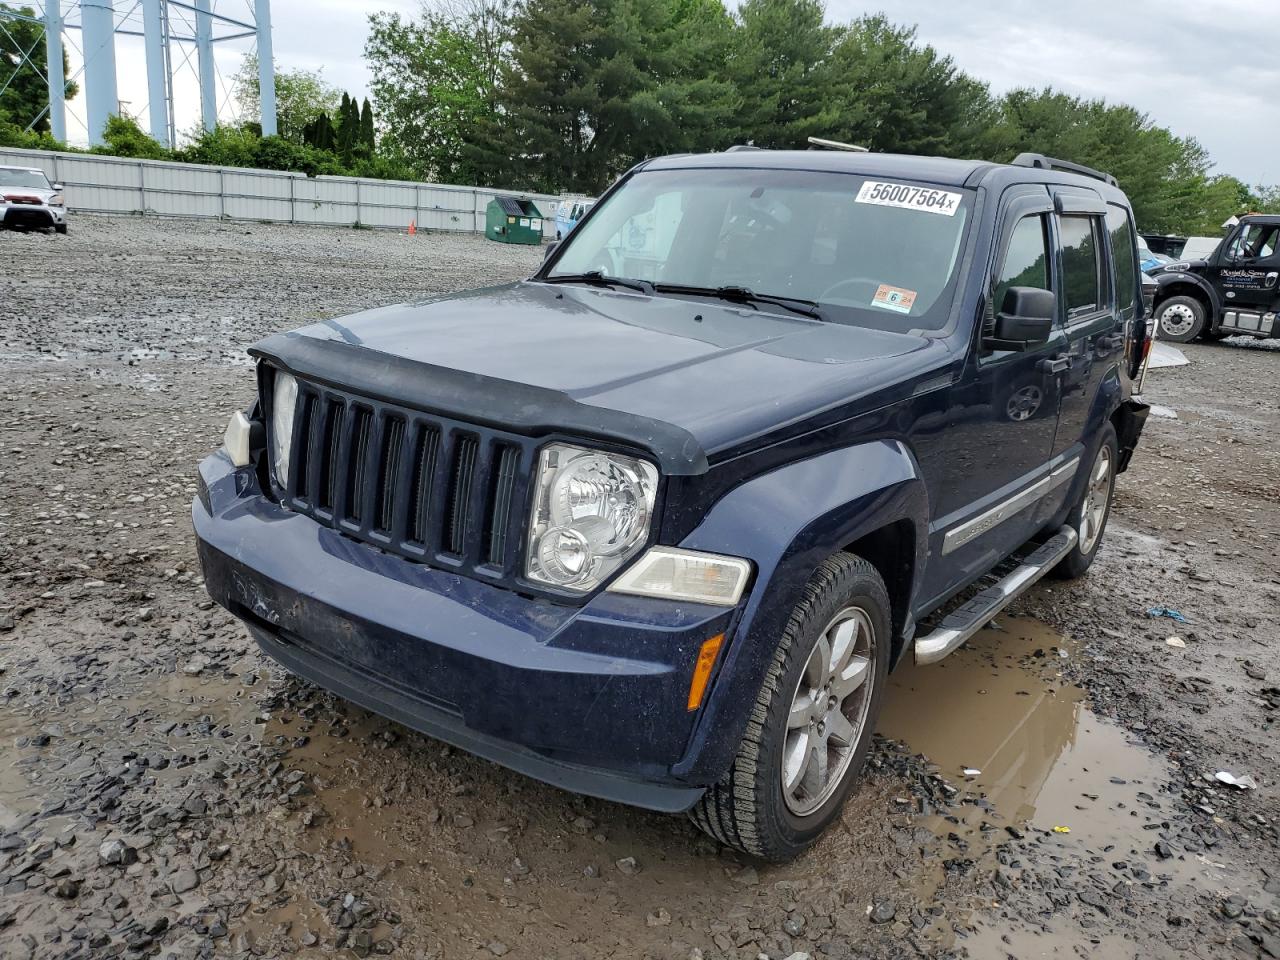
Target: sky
<point>1196,66</point>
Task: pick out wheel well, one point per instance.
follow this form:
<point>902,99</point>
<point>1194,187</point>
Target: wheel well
<point>1188,290</point>
<point>892,551</point>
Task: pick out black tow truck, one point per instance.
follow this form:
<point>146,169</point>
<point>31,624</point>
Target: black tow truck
<point>1234,291</point>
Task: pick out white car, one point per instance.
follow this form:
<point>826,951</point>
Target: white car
<point>28,199</point>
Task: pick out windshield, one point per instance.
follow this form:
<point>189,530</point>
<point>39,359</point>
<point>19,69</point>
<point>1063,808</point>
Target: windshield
<point>23,178</point>
<point>875,253</point>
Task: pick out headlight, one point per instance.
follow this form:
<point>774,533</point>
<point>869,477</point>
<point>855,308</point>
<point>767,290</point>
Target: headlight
<point>283,400</point>
<point>592,514</point>
<point>57,200</point>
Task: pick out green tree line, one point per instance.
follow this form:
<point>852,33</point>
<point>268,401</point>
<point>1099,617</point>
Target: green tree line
<point>565,95</point>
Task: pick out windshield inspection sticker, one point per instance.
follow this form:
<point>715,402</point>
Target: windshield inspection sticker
<point>909,198</point>
<point>894,298</point>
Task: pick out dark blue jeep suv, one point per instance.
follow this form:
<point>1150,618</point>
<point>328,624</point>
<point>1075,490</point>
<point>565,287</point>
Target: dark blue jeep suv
<point>655,524</point>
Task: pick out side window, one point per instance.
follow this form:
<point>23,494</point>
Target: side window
<point>1122,247</point>
<point>1257,241</point>
<point>1082,287</point>
<point>1026,262</point>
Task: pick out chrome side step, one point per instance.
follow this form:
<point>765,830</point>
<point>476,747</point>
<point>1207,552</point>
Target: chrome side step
<point>967,619</point>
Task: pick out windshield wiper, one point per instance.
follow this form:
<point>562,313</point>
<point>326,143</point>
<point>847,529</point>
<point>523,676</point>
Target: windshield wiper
<point>599,278</point>
<point>736,294</point>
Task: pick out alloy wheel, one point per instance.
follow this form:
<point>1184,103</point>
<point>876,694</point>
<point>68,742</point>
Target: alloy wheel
<point>1093,510</point>
<point>828,711</point>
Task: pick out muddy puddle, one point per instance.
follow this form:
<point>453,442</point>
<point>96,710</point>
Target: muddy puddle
<point>44,752</point>
<point>1004,726</point>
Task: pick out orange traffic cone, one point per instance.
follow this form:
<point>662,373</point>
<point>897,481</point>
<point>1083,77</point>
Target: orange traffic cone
<point>413,227</point>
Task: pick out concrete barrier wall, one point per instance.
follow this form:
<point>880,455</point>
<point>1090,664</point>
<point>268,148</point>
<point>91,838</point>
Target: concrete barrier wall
<point>118,185</point>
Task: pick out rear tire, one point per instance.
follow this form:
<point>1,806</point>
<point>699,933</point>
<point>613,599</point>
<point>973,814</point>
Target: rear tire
<point>1090,514</point>
<point>1180,319</point>
<point>811,725</point>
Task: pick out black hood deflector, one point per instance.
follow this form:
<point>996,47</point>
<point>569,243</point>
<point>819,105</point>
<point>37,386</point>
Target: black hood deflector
<point>493,402</point>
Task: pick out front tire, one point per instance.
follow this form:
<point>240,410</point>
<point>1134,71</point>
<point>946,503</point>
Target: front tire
<point>61,228</point>
<point>1090,514</point>
<point>812,722</point>
<point>1181,319</point>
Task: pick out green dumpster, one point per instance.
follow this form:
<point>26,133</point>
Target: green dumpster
<point>511,220</point>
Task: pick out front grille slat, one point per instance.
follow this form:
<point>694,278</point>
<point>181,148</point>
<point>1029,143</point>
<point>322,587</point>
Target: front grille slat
<point>355,474</point>
<point>427,449</point>
<point>459,516</point>
<point>424,487</point>
<point>499,513</point>
<point>331,455</point>
<point>389,482</point>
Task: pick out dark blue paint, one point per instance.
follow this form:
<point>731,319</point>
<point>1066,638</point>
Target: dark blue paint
<point>815,435</point>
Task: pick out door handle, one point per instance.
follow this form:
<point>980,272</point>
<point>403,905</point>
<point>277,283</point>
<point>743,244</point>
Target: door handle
<point>1052,365</point>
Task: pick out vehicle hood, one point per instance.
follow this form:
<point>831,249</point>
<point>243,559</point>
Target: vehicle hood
<point>722,372</point>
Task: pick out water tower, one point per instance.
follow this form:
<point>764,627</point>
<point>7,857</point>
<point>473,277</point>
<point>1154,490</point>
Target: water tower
<point>168,28</point>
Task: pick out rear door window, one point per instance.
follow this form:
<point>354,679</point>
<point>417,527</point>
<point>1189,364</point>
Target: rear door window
<point>1123,243</point>
<point>1082,285</point>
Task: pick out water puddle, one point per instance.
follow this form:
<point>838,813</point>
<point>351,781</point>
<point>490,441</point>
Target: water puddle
<point>1030,759</point>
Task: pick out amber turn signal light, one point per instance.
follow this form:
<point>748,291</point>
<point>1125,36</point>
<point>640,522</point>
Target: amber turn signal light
<point>702,670</point>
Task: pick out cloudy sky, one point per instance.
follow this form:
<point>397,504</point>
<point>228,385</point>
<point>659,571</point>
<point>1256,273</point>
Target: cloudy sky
<point>1197,66</point>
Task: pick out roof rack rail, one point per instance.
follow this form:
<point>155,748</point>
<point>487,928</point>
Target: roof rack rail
<point>738,147</point>
<point>1041,162</point>
<point>837,145</point>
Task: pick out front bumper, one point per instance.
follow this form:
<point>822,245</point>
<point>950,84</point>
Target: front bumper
<point>590,698</point>
<point>31,215</point>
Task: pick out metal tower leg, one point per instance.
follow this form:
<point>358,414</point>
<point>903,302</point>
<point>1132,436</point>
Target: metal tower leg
<point>204,53</point>
<point>157,73</point>
<point>53,62</point>
<point>101,101</point>
<point>266,67</point>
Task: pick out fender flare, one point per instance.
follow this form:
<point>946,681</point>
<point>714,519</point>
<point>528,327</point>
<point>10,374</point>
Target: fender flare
<point>788,521</point>
<point>1166,280</point>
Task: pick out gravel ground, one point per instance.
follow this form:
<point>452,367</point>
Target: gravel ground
<point>165,792</point>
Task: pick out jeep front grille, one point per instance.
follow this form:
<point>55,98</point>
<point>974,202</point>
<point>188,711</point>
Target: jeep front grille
<point>421,486</point>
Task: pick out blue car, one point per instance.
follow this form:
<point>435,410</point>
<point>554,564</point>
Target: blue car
<point>659,533</point>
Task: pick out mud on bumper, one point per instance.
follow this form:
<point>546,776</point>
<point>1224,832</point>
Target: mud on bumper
<point>591,699</point>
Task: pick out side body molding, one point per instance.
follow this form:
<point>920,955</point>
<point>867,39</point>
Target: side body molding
<point>788,521</point>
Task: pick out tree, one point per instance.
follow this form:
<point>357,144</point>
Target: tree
<point>896,96</point>
<point>434,81</point>
<point>783,71</point>
<point>367,138</point>
<point>23,61</point>
<point>122,137</point>
<point>590,88</point>
<point>301,96</point>
<point>1165,176</point>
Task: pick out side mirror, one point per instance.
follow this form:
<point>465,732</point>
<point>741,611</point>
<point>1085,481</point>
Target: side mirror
<point>57,187</point>
<point>1025,319</point>
<point>549,249</point>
